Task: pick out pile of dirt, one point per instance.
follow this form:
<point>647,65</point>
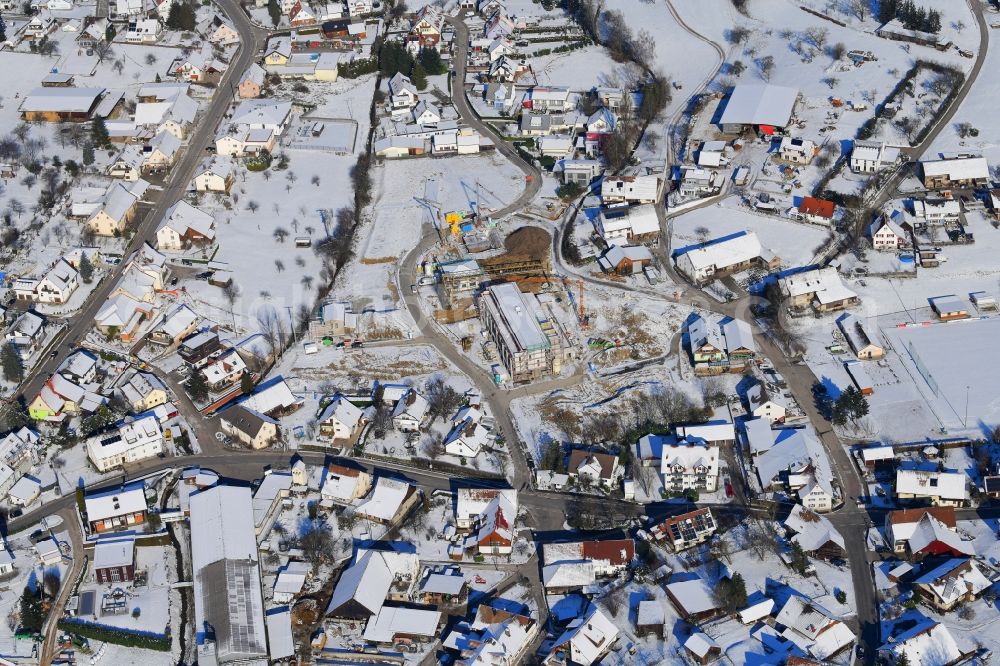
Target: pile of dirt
<point>529,242</point>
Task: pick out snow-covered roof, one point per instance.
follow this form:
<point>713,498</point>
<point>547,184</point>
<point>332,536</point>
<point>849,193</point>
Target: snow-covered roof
<point>694,596</point>
<point>700,644</point>
<point>274,394</point>
<point>928,642</point>
<point>756,104</point>
<point>280,641</point>
<point>758,607</point>
<point>824,634</point>
<point>273,487</point>
<point>266,112</point>
<point>725,252</point>
<point>64,100</point>
<point>588,638</point>
<point>343,411</point>
<point>340,483</point>
<point>178,320</point>
<point>114,552</point>
<point>183,216</point>
<point>967,168</point>
<point>631,187</point>
<point>292,577</point>
<point>471,502</point>
<point>368,579</point>
<point>650,612</point>
<point>226,574</point>
<point>929,530</point>
<point>442,583</point>
<point>738,336</point>
<point>954,579</point>
<point>812,531</point>
<point>690,457</point>
<point>919,483</point>
<point>222,525</point>
<point>796,449</point>
<point>24,490</point>
<point>568,574</point>
<point>395,620</point>
<point>518,311</point>
<point>116,502</point>
<point>825,283</point>
<point>759,436</point>
<point>385,499</point>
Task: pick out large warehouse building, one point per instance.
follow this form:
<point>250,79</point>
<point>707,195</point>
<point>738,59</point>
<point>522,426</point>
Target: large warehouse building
<point>765,108</point>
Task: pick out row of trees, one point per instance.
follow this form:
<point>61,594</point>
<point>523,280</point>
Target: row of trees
<point>913,17</point>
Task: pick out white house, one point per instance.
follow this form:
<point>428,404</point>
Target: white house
<point>586,640</point>
<point>796,151</point>
<point>340,419</point>
<point>766,404</point>
<point>214,175</point>
<point>816,495</point>
<point>143,31</point>
<point>872,156</point>
<point>631,189</point>
<point>410,412</point>
<point>403,94</point>
<point>686,465</point>
<point>468,435</point>
<point>940,488</point>
<point>131,442</point>
<point>887,234</point>
<point>58,284</point>
<point>183,225</point>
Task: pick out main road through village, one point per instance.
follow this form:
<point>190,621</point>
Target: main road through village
<point>546,511</point>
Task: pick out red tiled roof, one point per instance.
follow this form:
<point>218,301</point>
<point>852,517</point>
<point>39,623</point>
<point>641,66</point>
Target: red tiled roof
<point>615,551</point>
<point>814,206</point>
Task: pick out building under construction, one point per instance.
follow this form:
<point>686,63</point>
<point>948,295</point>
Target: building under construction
<point>527,253</point>
<point>529,340</point>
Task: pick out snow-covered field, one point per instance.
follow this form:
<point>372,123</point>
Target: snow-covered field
<point>794,242</point>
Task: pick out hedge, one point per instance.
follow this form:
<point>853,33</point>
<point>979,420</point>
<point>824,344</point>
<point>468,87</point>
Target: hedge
<point>146,640</point>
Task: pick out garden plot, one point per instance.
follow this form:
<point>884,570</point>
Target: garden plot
<point>538,417</point>
<point>794,242</point>
<point>581,69</point>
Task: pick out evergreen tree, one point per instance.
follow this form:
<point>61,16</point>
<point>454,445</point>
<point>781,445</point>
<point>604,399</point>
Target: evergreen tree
<point>432,62</point>
<point>99,133</point>
<point>275,11</point>
<point>86,269</point>
<point>32,615</point>
<point>197,387</point>
<point>246,383</point>
<point>13,366</point>
<point>419,77</point>
<point>181,17</point>
<point>902,659</point>
<point>3,30</point>
<point>88,154</point>
<point>934,21</point>
<point>731,593</point>
<point>393,57</point>
<point>887,10</point>
<point>109,33</point>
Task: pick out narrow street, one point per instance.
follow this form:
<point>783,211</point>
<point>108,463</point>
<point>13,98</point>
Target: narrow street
<point>72,523</point>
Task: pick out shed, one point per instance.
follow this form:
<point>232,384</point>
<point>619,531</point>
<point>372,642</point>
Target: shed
<point>650,618</point>
<point>860,377</point>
